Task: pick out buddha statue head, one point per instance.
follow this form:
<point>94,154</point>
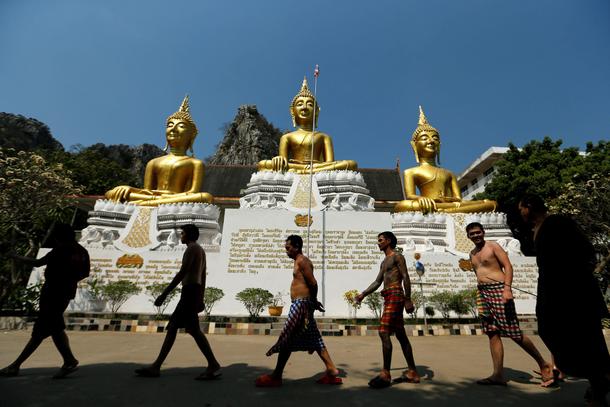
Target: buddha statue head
<point>302,107</point>
<point>426,141</point>
<point>180,130</point>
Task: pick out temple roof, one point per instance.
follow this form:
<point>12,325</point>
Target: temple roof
<point>228,181</point>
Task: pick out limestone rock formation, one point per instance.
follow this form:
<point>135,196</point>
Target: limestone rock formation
<point>248,139</point>
<point>24,133</point>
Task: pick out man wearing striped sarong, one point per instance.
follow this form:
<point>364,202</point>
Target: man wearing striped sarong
<point>394,276</point>
<point>300,333</point>
<point>497,307</point>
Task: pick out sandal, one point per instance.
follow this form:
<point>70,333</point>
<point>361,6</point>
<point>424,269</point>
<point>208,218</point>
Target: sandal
<point>66,370</point>
<point>328,379</point>
<point>9,371</point>
<point>378,383</point>
<point>267,380</point>
<point>405,378</point>
<point>147,372</point>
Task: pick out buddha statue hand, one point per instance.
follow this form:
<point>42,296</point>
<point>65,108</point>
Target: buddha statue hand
<point>279,163</point>
<point>123,193</point>
<point>426,205</point>
<point>119,194</point>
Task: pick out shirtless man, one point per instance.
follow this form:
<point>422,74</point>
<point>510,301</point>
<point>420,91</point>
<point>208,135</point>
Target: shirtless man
<point>392,274</point>
<point>300,332</point>
<point>192,276</point>
<point>499,317</point>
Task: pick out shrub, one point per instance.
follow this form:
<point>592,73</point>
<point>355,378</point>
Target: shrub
<point>117,292</point>
<point>441,301</point>
<point>418,299</point>
<point>254,299</point>
<point>458,304</point>
<point>350,298</point>
<point>470,300</point>
<point>375,303</point>
<point>24,299</point>
<point>429,310</point>
<point>155,290</point>
<point>211,297</point>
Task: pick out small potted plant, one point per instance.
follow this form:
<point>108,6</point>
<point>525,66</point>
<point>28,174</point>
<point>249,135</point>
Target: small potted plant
<point>277,305</point>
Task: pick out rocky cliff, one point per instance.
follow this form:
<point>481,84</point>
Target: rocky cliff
<point>248,139</point>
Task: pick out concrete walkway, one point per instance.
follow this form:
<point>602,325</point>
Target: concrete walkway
<point>450,365</point>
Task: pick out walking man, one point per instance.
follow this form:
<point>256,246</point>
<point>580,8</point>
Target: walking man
<point>192,276</point>
<point>300,333</point>
<point>499,318</point>
<point>67,263</point>
<point>568,291</point>
<point>394,276</point>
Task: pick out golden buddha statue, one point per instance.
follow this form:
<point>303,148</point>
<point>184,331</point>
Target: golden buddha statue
<point>438,187</point>
<point>172,178</point>
<point>295,147</point>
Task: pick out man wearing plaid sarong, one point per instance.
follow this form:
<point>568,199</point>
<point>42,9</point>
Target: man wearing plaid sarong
<point>393,274</point>
<point>497,307</point>
<point>300,332</point>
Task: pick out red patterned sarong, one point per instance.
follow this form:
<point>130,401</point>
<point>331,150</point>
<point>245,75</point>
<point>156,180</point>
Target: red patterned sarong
<point>393,304</point>
<point>497,316</point>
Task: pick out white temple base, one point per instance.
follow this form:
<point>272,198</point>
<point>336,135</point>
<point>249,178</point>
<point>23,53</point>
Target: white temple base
<point>337,190</point>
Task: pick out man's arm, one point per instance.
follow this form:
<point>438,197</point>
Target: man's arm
<point>306,268</point>
<point>187,261</point>
<point>507,267</point>
<point>406,281</point>
<point>373,287</point>
<point>34,262</point>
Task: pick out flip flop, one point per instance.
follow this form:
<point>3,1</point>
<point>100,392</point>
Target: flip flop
<point>378,383</point>
<point>9,372</point>
<point>489,382</point>
<point>147,372</point>
<point>267,381</point>
<point>208,376</point>
<point>406,379</point>
<point>65,371</point>
<point>328,379</point>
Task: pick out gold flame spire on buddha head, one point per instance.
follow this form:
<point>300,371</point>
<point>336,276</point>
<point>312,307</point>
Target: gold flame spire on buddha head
<point>184,113</point>
<point>304,92</point>
<point>423,125</point>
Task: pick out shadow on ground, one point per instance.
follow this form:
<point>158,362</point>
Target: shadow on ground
<point>114,384</point>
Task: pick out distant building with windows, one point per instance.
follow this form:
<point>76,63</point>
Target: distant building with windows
<point>478,174</point>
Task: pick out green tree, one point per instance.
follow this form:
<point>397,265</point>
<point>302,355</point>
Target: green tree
<point>254,299</point>
<point>442,302</point>
<point>543,168</point>
<point>211,297</point>
<point>155,290</point>
<point>34,195</point>
<point>588,203</point>
<point>470,297</point>
<point>117,292</point>
<point>375,303</point>
<point>457,304</point>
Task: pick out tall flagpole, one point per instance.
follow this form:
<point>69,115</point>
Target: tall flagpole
<point>316,73</point>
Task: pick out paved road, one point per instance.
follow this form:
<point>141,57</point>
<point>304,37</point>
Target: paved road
<point>450,365</point>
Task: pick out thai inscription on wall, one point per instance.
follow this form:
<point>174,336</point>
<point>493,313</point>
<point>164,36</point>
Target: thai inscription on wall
<point>253,250</point>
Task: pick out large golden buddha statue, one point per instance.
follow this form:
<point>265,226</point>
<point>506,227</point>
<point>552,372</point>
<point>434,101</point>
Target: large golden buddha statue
<point>295,147</point>
<point>439,191</point>
<point>172,178</point>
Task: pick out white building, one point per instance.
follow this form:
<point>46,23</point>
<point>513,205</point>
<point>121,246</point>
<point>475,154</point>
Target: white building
<point>480,172</point>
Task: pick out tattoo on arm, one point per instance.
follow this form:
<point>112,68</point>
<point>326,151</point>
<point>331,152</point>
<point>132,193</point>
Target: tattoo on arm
<point>406,281</point>
<point>376,284</point>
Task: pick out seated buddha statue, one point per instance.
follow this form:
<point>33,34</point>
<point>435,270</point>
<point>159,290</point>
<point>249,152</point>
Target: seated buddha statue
<point>174,177</point>
<point>295,149</point>
<point>438,187</point>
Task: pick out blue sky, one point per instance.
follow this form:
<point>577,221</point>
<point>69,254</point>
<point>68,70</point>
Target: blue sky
<point>486,71</point>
